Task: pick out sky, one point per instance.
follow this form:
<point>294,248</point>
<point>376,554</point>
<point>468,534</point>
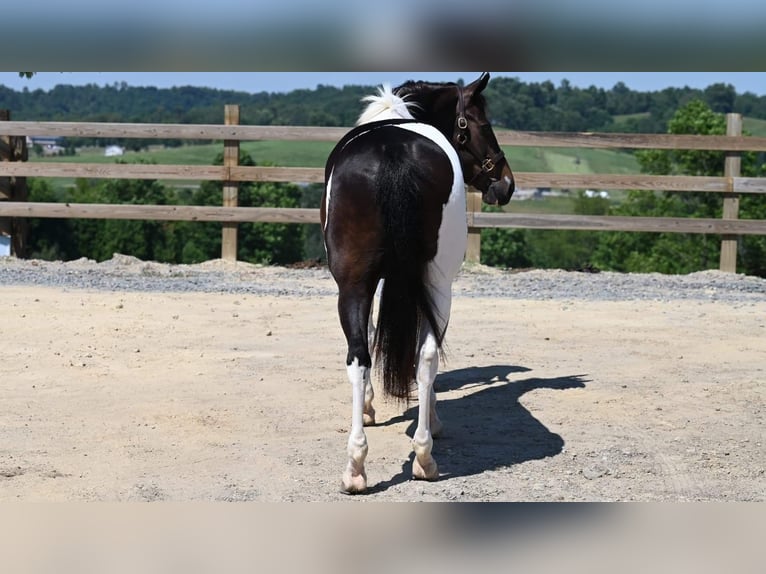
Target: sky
<point>252,82</point>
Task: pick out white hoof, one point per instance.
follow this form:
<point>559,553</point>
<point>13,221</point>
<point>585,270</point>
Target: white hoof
<point>353,484</point>
<point>429,471</point>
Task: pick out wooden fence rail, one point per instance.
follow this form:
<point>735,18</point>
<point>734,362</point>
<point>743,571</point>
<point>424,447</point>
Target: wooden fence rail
<point>307,133</point>
<point>731,184</point>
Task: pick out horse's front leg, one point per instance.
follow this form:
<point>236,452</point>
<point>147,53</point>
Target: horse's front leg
<point>424,466</point>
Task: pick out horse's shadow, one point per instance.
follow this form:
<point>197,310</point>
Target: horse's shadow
<point>489,428</point>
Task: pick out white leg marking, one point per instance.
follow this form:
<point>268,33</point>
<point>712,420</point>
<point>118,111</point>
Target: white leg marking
<point>369,393</point>
<point>354,477</point>
<point>368,416</point>
<point>327,200</point>
<point>424,466</point>
<point>433,416</point>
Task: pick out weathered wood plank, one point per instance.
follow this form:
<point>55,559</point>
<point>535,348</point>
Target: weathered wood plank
<point>230,188</point>
<point>174,131</point>
<point>732,165</point>
<point>304,215</point>
<point>316,175</point>
<point>114,171</point>
<point>630,141</point>
<point>310,133</point>
<point>278,174</point>
<point>160,212</point>
<point>618,223</point>
<point>166,172</point>
<point>473,247</point>
<point>626,181</point>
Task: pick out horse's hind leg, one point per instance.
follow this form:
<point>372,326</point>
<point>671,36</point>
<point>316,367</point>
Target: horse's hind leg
<point>354,307</point>
<point>424,466</point>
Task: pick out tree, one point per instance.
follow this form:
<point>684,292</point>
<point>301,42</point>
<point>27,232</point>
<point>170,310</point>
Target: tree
<point>678,252</point>
<point>268,243</point>
<point>504,248</point>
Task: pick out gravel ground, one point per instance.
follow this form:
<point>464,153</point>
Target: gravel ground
<point>125,273</point>
<point>129,380</point>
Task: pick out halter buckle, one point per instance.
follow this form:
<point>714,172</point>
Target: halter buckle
<point>488,165</point>
<point>462,123</point>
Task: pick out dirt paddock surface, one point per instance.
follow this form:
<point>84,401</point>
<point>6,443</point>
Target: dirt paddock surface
<point>605,391</point>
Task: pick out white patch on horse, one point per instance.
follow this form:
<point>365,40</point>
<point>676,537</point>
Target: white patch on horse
<point>454,228</point>
<point>327,202</point>
<point>385,106</point>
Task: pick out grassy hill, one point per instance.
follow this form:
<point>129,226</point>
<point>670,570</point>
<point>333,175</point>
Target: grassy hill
<point>754,127</point>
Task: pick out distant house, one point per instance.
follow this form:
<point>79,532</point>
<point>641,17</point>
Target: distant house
<point>43,141</point>
<point>114,151</point>
<point>48,145</point>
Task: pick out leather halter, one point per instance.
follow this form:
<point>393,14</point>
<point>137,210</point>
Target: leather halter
<point>487,163</point>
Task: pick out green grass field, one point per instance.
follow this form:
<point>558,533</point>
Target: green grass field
<point>754,127</point>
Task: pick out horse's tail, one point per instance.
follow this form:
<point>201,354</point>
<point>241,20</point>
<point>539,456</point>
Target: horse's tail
<point>405,305</point>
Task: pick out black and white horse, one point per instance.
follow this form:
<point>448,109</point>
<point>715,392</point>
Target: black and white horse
<point>394,209</point>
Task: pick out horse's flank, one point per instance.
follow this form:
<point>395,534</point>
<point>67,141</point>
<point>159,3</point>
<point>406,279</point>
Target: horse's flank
<point>385,106</point>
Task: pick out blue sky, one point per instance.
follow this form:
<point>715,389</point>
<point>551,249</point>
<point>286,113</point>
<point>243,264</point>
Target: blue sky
<point>754,82</point>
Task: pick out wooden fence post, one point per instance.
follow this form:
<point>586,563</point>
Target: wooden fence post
<point>14,148</point>
<point>230,188</point>
<point>732,168</point>
<point>473,205</point>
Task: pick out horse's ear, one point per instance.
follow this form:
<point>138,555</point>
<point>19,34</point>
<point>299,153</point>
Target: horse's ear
<point>478,86</point>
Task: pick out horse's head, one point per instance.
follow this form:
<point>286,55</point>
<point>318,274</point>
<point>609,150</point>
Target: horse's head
<point>484,164</point>
<point>459,112</point>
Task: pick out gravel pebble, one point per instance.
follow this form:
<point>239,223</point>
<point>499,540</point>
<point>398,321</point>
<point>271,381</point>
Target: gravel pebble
<point>126,273</point>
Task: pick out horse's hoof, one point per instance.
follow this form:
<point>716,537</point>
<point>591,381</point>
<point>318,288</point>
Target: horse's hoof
<point>428,472</point>
<point>353,484</point>
<point>368,418</point>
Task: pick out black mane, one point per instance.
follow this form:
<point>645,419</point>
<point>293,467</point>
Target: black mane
<point>425,94</point>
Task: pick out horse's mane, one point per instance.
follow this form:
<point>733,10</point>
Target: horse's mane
<point>386,105</point>
<point>424,94</point>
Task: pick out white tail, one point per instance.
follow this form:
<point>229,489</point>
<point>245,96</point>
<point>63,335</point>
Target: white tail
<point>385,106</point>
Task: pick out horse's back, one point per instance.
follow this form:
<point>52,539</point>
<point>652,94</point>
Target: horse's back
<point>381,174</point>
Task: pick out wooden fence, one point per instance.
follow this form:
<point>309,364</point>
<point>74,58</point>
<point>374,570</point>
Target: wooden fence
<point>731,185</point>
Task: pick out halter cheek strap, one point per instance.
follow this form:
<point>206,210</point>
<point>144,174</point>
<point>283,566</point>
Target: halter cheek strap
<point>461,122</point>
<point>487,163</point>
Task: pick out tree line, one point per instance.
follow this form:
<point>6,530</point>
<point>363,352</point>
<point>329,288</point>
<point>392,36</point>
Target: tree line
<point>514,104</point>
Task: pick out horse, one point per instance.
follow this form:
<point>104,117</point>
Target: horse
<point>393,216</point>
